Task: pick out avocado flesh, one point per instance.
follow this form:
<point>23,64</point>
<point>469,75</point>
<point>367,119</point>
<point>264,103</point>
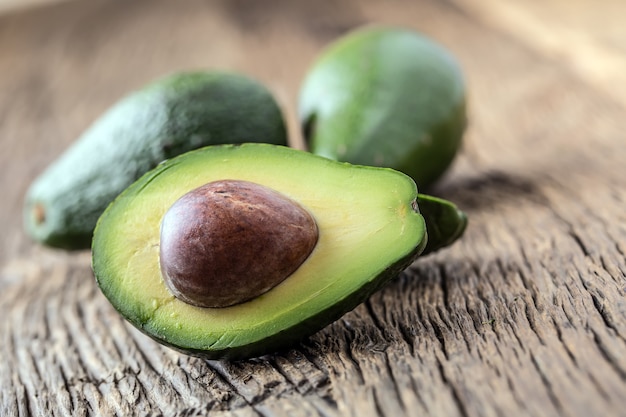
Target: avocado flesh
<point>368,232</point>
<point>170,116</point>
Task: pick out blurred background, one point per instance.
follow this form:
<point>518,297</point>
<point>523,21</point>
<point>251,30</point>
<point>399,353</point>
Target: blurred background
<point>533,62</point>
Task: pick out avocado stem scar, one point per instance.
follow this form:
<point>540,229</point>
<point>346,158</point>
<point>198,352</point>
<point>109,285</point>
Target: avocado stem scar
<point>39,213</point>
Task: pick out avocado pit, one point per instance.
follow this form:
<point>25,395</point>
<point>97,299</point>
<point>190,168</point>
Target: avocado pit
<point>229,241</point>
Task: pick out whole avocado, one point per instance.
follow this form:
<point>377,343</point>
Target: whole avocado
<point>389,97</point>
<point>171,116</point>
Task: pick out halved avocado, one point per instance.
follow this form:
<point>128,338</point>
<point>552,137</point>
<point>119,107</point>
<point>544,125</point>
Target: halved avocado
<point>369,230</point>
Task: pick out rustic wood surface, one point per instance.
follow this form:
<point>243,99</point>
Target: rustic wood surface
<point>526,315</point>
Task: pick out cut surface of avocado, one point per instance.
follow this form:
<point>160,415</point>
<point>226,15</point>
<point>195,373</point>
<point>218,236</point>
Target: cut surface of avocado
<point>369,230</point>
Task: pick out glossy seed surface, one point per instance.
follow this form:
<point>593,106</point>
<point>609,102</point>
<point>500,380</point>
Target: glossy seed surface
<point>230,241</point>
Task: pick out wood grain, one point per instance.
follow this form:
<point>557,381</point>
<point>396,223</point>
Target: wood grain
<point>525,316</point>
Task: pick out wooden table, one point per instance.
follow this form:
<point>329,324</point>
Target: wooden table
<point>526,315</point>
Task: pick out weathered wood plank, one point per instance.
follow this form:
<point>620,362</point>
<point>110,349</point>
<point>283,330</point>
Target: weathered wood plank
<point>525,316</point>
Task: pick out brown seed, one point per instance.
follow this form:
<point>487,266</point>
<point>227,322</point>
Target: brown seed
<point>229,241</point>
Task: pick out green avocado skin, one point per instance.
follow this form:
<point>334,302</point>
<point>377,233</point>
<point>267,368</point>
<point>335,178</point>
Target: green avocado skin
<point>171,116</point>
<point>445,223</point>
<point>388,97</point>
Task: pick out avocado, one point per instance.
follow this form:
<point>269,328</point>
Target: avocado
<point>367,228</point>
<point>445,223</point>
<point>385,96</point>
<point>170,116</point>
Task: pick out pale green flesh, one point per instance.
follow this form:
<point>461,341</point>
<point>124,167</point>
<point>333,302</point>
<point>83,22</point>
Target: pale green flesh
<point>364,215</point>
